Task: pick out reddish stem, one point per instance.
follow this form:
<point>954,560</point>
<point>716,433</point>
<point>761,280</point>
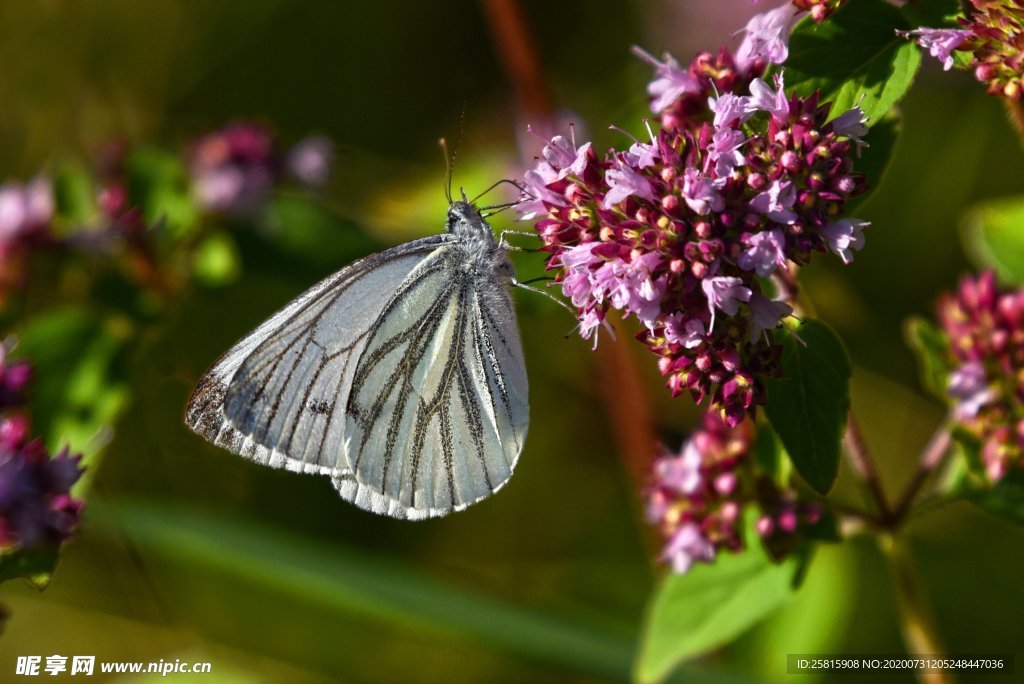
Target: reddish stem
<point>931,458</point>
<point>860,459</point>
<point>519,56</point>
<point>628,408</point>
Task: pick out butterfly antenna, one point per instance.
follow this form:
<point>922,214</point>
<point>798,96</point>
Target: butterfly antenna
<point>449,167</point>
<point>516,184</point>
<point>450,161</point>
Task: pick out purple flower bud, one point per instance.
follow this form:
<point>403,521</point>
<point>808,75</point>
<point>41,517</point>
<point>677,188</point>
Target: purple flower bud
<point>730,510</point>
<point>812,513</point>
<point>725,294</point>
<point>791,161</point>
<point>537,196</point>
<point>852,124</point>
<point>682,473</point>
<point>15,377</point>
<point>14,431</point>
<point>686,547</point>
<point>725,484</point>
<point>310,160</point>
<point>843,184</point>
<point>671,83</point>
<point>776,202</point>
<point>730,359</point>
<point>724,151</point>
<point>940,43</point>
<point>765,252</point>
<point>233,169</point>
<point>35,505</point>
<point>844,237</point>
<point>766,314</point>
<point>689,333</point>
<point>700,193</point>
<point>968,386</point>
<point>624,181</point>
<point>730,110</point>
<point>24,208</point>
<point>767,37</point>
<point>787,520</point>
<point>773,101</point>
<point>765,526</point>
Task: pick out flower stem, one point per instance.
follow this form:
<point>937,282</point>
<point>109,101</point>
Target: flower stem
<point>931,458</point>
<point>860,459</point>
<point>1015,113</point>
<point>628,409</point>
<point>916,621</point>
<point>519,55</point>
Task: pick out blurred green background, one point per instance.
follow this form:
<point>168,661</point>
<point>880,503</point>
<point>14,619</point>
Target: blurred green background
<point>189,552</point>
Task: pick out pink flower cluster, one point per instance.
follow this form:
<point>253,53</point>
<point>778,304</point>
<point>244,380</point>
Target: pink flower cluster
<point>985,326</point>
<point>682,229</point>
<point>36,506</point>
<point>991,37</point>
<point>697,496</point>
<point>26,214</point>
<point>235,168</point>
<point>785,520</point>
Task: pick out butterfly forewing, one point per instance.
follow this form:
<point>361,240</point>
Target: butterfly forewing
<point>277,396</point>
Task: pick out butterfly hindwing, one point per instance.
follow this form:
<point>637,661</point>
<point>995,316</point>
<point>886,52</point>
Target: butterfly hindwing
<point>437,414</point>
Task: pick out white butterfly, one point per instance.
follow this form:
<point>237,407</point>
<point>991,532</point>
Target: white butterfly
<point>401,377</point>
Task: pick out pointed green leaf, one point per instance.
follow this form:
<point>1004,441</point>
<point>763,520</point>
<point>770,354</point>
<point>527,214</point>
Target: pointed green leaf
<point>930,346</point>
<point>874,159</point>
<point>1004,500</point>
<point>34,565</point>
<point>808,407</point>
<point>933,13</point>
<point>855,54</point>
<point>74,195</point>
<point>770,454</point>
<point>78,390</point>
<point>159,184</point>
<point>710,606</point>
<point>994,237</point>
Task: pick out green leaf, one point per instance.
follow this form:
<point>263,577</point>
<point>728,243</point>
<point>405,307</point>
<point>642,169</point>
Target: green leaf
<point>709,606</point>
<point>77,391</point>
<point>854,54</point>
<point>874,159</point>
<point>816,620</point>
<point>993,235</point>
<point>159,183</point>
<point>74,195</point>
<point>933,13</point>
<point>931,348</point>
<point>808,409</point>
<point>1004,500</point>
<point>216,261</point>
<point>35,565</point>
<point>770,454</point>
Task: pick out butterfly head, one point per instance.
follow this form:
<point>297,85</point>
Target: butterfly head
<point>463,216</point>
